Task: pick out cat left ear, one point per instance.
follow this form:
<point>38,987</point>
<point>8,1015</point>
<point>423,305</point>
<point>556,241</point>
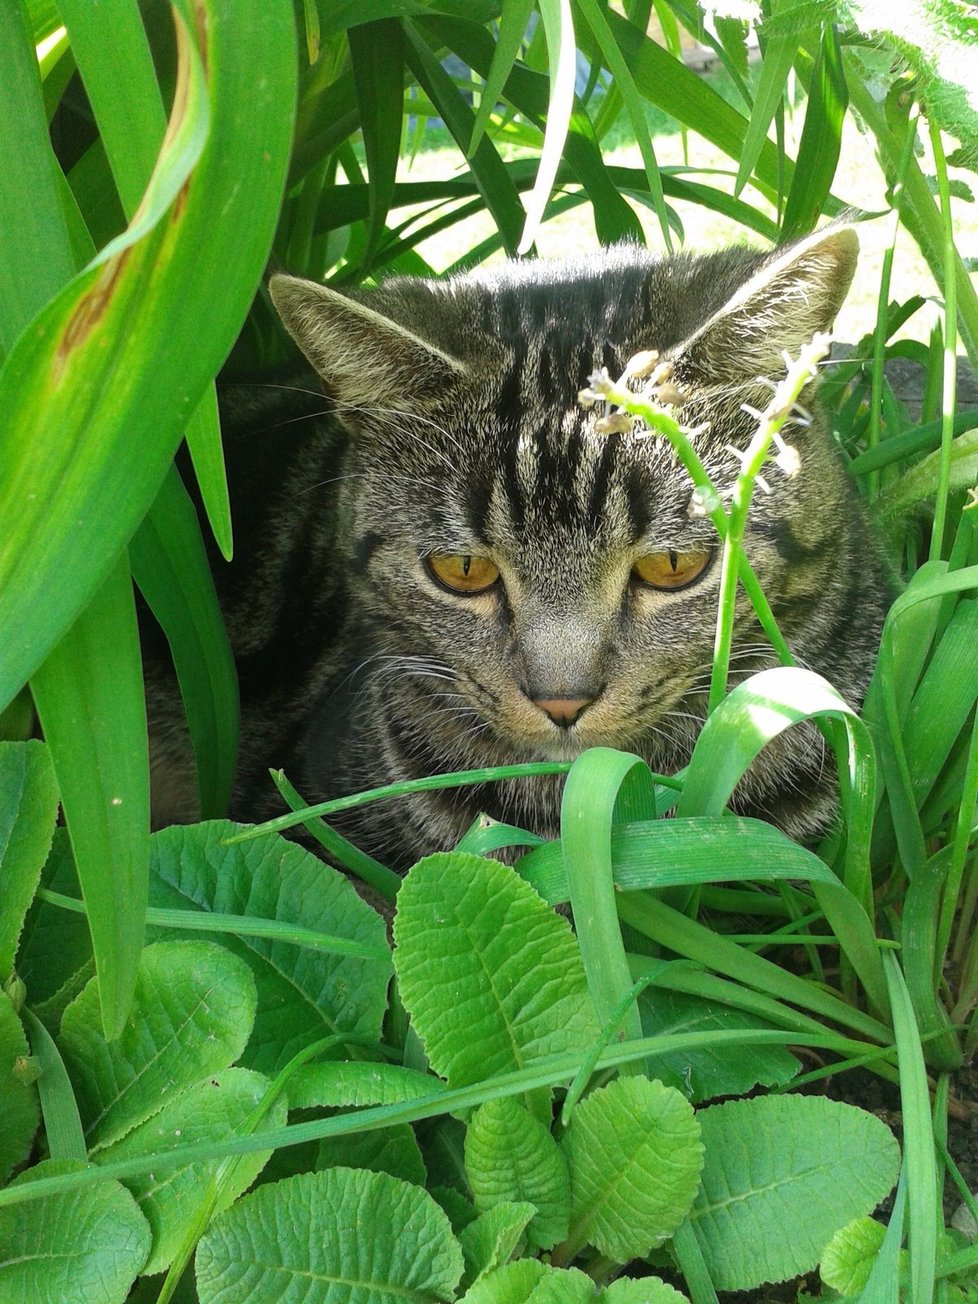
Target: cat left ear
<point>365,358</point>
<point>797,292</point>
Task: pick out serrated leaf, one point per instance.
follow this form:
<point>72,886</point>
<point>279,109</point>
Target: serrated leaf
<point>706,1072</point>
<point>562,1286</point>
<point>393,1150</point>
<point>341,1235</point>
<point>492,978</point>
<point>192,1014</point>
<point>303,994</point>
<point>634,1153</point>
<point>782,1174</point>
<point>211,1110</point>
<point>645,1290</point>
<point>28,809</point>
<point>349,1083</point>
<point>848,1258</point>
<point>490,1240</point>
<point>510,1284</point>
<point>81,1245</point>
<point>19,1108</point>
<point>511,1156</point>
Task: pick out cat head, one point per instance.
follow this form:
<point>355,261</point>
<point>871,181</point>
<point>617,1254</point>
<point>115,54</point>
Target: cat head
<point>557,578</point>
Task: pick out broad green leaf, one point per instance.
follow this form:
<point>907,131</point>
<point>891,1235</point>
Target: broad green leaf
<point>705,1072</point>
<point>645,1290</point>
<point>563,1286</point>
<point>392,1150</point>
<point>492,978</point>
<point>848,1258</point>
<point>192,1014</point>
<point>101,373</point>
<point>90,701</point>
<point>28,810</point>
<point>356,1083</point>
<point>511,1156</point>
<point>55,953</point>
<point>634,1154</point>
<point>303,994</point>
<point>491,1240</point>
<point>83,1245</point>
<point>19,1109</point>
<point>511,1284</point>
<point>215,1108</point>
<point>341,1235</point>
<point>782,1175</point>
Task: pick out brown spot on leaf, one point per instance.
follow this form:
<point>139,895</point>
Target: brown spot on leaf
<point>92,307</point>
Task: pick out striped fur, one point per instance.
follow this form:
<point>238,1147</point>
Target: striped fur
<point>451,424</point>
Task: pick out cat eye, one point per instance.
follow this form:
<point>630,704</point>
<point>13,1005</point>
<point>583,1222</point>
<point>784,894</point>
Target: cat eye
<point>462,572</point>
<point>671,569</point>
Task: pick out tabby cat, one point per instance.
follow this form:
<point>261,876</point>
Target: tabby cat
<point>442,565</point>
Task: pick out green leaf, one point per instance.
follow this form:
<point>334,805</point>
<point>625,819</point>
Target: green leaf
<point>919,484</point>
<point>170,567</point>
<point>192,1014</point>
<point>28,810</point>
<point>492,978</point>
<point>341,1235</point>
<point>558,27</point>
<point>89,698</point>
<point>821,140</point>
<point>782,1175</point>
<point>634,1153</point>
<point>511,1284</point>
<point>779,55</point>
<point>513,20</point>
<point>351,1083</point>
<point>491,1239</point>
<point>392,1150</point>
<point>218,1107</point>
<point>62,1124</point>
<point>705,1072</point>
<point>511,1157</point>
<point>97,392</point>
<point>646,1290</point>
<point>55,956</point>
<point>19,1108</point>
<point>377,54</point>
<point>848,1258</point>
<point>83,1245</point>
<point>303,994</point>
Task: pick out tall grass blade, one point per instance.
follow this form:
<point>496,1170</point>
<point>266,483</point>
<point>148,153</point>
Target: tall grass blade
<point>779,55</point>
<point>513,20</point>
<point>377,51</point>
<point>821,140</point>
<point>558,26</point>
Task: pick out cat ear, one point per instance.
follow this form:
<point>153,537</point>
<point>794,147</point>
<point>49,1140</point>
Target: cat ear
<point>797,292</point>
<point>365,358</point>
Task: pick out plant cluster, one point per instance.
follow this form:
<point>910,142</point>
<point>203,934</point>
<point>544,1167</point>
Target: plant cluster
<point>210,1049</point>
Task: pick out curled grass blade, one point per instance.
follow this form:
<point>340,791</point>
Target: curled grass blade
<point>558,26</point>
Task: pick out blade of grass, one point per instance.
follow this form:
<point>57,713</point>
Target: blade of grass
<point>513,20</point>
<point>89,698</point>
<point>918,1139</point>
<point>558,26</point>
<point>616,62</point>
<point>821,139</point>
<point>377,53</point>
<point>586,811</point>
<point>62,1123</point>
<point>950,388</point>
<point>779,55</point>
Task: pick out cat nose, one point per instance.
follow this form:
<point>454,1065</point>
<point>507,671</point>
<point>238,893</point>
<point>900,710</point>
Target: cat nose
<point>564,711</point>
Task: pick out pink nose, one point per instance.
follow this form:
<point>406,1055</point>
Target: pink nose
<point>564,711</point>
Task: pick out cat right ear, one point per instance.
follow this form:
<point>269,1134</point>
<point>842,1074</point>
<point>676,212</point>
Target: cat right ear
<point>365,359</point>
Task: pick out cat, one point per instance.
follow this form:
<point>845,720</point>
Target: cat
<point>441,565</point>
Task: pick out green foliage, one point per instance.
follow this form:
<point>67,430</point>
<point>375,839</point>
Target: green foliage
<point>147,1087</point>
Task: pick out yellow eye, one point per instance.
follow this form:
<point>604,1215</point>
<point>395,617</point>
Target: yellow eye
<point>461,572</point>
<point>671,569</point>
